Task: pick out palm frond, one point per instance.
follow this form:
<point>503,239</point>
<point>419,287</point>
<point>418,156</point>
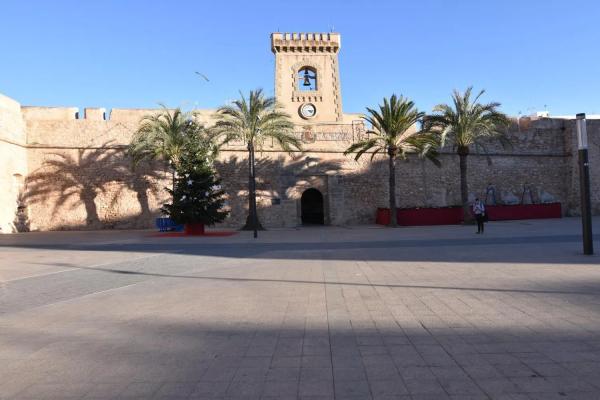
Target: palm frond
<point>255,119</point>
<point>394,129</point>
<point>467,121</point>
<point>165,134</point>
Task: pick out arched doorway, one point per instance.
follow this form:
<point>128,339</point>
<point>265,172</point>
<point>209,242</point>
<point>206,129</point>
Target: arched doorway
<point>311,205</point>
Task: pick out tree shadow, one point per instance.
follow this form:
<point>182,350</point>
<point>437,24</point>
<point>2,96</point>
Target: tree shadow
<point>146,179</point>
<point>588,288</point>
<point>278,180</point>
<point>21,221</point>
<point>397,245</point>
<point>78,179</point>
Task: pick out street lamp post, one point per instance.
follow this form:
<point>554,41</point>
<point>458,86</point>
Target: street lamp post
<point>584,185</point>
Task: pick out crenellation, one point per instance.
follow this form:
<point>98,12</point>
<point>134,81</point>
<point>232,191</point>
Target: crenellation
<point>94,114</point>
<point>130,114</point>
<point>305,42</point>
<point>31,113</point>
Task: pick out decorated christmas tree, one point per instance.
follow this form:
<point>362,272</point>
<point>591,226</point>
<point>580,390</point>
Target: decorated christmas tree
<point>197,194</point>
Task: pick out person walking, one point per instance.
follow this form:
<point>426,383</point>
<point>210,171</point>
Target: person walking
<point>479,211</point>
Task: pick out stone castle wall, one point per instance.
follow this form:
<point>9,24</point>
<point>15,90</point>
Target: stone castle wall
<point>572,200</point>
<point>13,163</point>
<point>79,176</point>
<point>75,175</point>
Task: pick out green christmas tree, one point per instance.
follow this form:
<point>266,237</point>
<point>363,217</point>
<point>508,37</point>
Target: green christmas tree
<point>197,194</point>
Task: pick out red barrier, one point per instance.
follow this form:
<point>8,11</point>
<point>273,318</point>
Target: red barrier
<point>524,211</point>
<point>430,216</point>
<point>453,215</point>
<point>421,216</point>
<point>383,216</point>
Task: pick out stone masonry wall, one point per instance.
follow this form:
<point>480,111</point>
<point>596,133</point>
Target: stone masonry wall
<point>13,166</point>
<point>77,175</point>
<point>573,193</point>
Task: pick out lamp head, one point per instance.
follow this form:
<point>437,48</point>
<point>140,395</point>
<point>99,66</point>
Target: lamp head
<point>582,139</point>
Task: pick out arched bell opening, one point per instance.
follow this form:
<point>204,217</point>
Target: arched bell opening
<point>307,79</point>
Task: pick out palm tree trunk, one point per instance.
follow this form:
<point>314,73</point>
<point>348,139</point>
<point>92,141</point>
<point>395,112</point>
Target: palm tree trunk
<point>251,219</point>
<point>173,177</point>
<point>169,166</point>
<point>393,211</point>
<point>141,185</point>
<point>463,152</point>
<point>88,196</point>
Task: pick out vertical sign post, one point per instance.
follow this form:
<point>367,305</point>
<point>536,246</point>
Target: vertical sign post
<point>584,185</point>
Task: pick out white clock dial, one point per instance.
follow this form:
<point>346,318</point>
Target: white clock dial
<point>308,110</point>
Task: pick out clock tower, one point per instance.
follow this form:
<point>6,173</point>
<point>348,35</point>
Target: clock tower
<point>307,78</point>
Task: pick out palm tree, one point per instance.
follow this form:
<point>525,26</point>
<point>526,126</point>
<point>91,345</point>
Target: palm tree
<point>165,135</point>
<point>161,136</point>
<point>468,123</point>
<point>394,133</point>
<point>254,120</point>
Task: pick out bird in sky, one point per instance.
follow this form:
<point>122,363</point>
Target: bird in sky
<point>202,75</point>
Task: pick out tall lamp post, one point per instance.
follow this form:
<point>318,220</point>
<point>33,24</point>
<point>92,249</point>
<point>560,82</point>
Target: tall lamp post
<point>584,185</point>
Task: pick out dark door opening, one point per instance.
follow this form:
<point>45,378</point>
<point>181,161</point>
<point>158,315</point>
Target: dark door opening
<point>311,205</point>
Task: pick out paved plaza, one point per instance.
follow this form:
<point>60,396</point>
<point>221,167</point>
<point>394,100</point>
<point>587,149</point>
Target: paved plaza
<point>311,313</point>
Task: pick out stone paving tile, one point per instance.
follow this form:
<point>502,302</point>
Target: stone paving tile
<point>424,386</point>
<point>461,386</point>
<point>425,396</point>
<point>140,389</point>
<point>352,389</point>
<point>280,388</point>
<point>216,374</point>
<point>322,361</point>
<point>286,362</point>
<point>313,389</point>
<point>349,374</point>
<point>176,390</point>
<point>250,374</point>
<point>376,372</point>
<point>383,388</point>
<point>54,391</point>
<point>310,374</point>
<point>209,389</point>
<point>245,389</point>
<point>283,374</point>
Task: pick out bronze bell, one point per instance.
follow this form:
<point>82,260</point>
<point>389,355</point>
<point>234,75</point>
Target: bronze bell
<point>306,78</point>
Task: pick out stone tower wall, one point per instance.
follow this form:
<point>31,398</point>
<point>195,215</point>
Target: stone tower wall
<point>318,51</point>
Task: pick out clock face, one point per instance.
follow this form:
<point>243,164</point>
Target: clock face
<point>308,110</point>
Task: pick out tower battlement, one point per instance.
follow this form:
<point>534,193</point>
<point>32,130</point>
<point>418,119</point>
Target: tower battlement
<point>305,42</point>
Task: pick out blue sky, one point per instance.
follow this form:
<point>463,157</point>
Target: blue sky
<point>527,54</point>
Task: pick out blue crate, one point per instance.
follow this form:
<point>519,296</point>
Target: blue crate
<point>167,225</point>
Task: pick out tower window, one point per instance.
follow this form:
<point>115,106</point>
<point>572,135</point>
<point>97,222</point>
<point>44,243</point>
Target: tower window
<point>307,79</point>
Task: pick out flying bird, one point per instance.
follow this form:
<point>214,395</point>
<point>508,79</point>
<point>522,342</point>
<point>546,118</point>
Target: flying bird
<point>202,75</point>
